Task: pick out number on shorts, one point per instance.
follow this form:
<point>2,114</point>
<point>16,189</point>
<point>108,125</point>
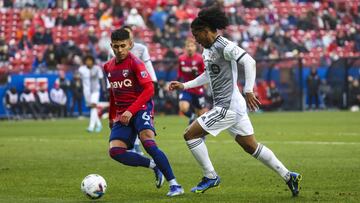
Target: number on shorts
<point>145,116</point>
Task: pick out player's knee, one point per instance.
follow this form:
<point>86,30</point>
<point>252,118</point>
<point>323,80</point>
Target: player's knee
<point>116,153</point>
<point>145,136</point>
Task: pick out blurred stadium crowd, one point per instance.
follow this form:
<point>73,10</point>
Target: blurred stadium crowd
<point>52,36</point>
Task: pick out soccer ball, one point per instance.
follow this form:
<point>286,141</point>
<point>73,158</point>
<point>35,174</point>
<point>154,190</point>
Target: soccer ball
<point>94,186</point>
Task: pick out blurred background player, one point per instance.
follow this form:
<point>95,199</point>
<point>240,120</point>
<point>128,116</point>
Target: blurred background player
<point>191,65</point>
<point>131,112</point>
<point>92,76</point>
<point>221,58</point>
<point>141,52</point>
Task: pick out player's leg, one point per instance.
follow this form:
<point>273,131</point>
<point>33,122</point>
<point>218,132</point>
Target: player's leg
<point>143,124</point>
<point>121,137</point>
<point>244,136</point>
<point>185,100</point>
<point>137,148</point>
<point>193,136</point>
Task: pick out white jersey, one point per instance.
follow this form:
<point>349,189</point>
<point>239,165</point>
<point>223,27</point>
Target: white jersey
<point>91,78</point>
<point>141,51</point>
<point>222,71</point>
<point>13,98</point>
<point>43,97</point>
<point>58,96</point>
<point>30,97</point>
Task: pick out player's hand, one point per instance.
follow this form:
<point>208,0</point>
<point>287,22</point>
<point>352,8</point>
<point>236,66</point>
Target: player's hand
<point>125,117</point>
<point>252,102</point>
<point>175,85</point>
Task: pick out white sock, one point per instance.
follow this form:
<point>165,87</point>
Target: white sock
<point>267,157</point>
<point>98,122</point>
<point>152,164</point>
<point>200,152</point>
<point>93,115</point>
<point>137,141</point>
<point>173,182</point>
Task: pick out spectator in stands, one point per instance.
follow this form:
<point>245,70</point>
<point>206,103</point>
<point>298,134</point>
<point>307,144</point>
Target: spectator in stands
<point>8,3</point>
<point>58,98</point>
<point>47,37</point>
<point>12,48</point>
<point>104,46</point>
<point>83,3</point>
<point>39,64</point>
<point>135,19</point>
<point>26,13</point>
<point>341,38</point>
<point>74,19</point>
<point>50,58</point>
<point>106,19</point>
<point>48,19</point>
<point>253,3</point>
<point>41,4</point>
<point>24,43</point>
<point>43,99</point>
<point>28,103</point>
<point>159,16</point>
<point>4,53</point>
<point>12,102</point>
<point>77,94</point>
<point>313,83</point>
<point>38,35</point>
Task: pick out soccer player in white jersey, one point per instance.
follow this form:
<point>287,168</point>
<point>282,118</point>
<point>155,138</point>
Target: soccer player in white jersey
<point>221,57</point>
<point>92,76</point>
<point>140,51</point>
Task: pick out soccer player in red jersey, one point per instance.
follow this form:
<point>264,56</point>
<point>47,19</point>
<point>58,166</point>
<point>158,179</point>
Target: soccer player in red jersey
<point>191,65</point>
<point>131,112</point>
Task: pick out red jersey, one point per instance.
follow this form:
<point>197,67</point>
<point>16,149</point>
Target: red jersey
<point>189,69</point>
<point>127,81</point>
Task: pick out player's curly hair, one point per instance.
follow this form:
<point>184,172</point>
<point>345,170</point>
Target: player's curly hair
<point>120,35</point>
<point>212,17</point>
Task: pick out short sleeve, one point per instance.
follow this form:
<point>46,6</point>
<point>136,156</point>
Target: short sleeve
<point>233,52</point>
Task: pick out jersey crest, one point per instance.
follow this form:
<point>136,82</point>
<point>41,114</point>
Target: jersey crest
<point>125,72</point>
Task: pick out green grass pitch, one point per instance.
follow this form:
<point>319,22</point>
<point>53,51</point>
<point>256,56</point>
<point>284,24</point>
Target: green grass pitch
<point>45,161</point>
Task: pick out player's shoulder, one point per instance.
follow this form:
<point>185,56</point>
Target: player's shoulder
<point>135,60</point>
<point>182,57</point>
<point>221,42</point>
<point>140,46</point>
<point>109,63</point>
<point>198,56</point>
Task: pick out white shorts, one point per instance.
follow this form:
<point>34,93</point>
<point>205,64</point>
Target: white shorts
<point>92,98</point>
<point>219,119</point>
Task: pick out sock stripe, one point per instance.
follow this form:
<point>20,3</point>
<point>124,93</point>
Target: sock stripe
<point>256,155</point>
<point>195,144</point>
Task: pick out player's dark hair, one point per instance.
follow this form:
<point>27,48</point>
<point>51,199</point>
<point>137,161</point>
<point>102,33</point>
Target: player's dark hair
<point>120,35</point>
<point>212,17</point>
<point>86,57</point>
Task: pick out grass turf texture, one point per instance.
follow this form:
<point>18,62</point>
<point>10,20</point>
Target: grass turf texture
<point>45,161</point>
